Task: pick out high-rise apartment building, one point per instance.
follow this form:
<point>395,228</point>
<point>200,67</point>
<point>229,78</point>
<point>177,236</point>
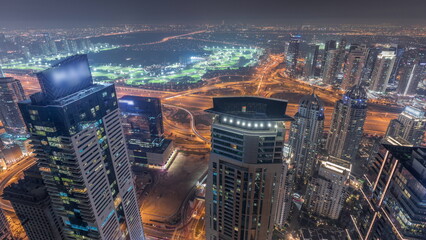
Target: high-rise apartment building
<point>347,124</point>
<point>410,126</point>
<point>354,66</point>
<point>393,196</point>
<point>33,207</point>
<point>382,70</point>
<point>328,189</point>
<point>330,66</point>
<point>306,135</point>
<point>78,140</point>
<point>245,167</point>
<point>11,92</point>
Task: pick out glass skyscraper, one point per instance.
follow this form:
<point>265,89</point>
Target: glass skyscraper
<point>80,147</point>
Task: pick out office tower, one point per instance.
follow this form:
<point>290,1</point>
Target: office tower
<point>65,46</point>
<point>5,233</point>
<point>245,167</point>
<point>347,124</point>
<point>410,126</point>
<point>11,92</point>
<point>369,64</point>
<point>393,196</point>
<point>328,189</point>
<point>51,45</point>
<point>354,66</point>
<point>306,135</point>
<point>310,67</point>
<point>382,71</point>
<point>330,67</point>
<point>33,207</point>
<point>144,131</point>
<point>80,147</point>
<point>293,53</point>
<point>414,71</point>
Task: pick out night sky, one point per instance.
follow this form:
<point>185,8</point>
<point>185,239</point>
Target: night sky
<point>57,12</point>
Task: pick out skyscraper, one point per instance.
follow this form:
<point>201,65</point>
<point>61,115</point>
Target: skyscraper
<point>347,124</point>
<point>144,131</point>
<point>293,53</point>
<point>80,148</point>
<point>11,92</point>
<point>382,70</point>
<point>330,66</point>
<point>414,71</point>
<point>245,167</point>
<point>393,203</point>
<point>328,189</point>
<point>33,207</point>
<point>329,45</point>
<point>410,126</point>
<point>311,61</point>
<point>354,66</point>
<point>373,52</point>
<point>306,135</point>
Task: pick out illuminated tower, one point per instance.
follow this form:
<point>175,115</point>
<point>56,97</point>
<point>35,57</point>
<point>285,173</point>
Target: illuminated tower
<point>11,92</point>
<point>410,126</point>
<point>81,152</point>
<point>393,196</point>
<point>328,189</point>
<point>293,53</point>
<point>245,167</point>
<point>354,66</point>
<point>414,71</point>
<point>347,124</point>
<point>311,61</point>
<point>382,70</point>
<point>330,66</point>
<point>306,134</point>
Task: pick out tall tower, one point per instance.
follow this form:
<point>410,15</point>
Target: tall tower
<point>33,207</point>
<point>245,167</point>
<point>410,126</point>
<point>328,189</point>
<point>414,71</point>
<point>330,66</point>
<point>354,66</point>
<point>347,124</point>
<point>293,53</point>
<point>11,92</point>
<point>306,134</point>
<point>79,143</point>
<point>393,196</point>
<point>382,70</point>
<point>311,61</point>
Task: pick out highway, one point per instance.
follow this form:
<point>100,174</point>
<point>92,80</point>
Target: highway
<point>8,176</point>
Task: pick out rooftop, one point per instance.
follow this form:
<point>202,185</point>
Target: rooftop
<point>251,108</point>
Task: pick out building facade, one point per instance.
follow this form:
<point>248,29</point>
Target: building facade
<point>11,92</point>
<point>410,126</point>
<point>394,196</point>
<point>80,148</point>
<point>382,70</point>
<point>32,205</point>
<point>347,124</point>
<point>328,189</point>
<point>354,66</point>
<point>306,136</point>
<point>245,167</point>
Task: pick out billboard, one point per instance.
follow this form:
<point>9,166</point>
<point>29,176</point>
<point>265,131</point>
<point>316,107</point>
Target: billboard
<point>66,77</point>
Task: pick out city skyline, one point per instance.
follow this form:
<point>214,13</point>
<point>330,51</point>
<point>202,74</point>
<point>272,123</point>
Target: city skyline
<point>213,122</point>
